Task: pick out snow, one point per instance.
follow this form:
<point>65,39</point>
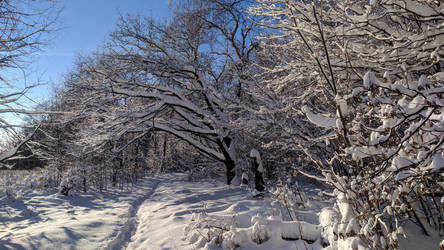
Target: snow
<point>437,162</point>
<point>363,152</point>
<point>48,220</point>
<point>386,77</point>
<point>400,163</point>
<point>244,178</point>
<point>326,218</point>
<point>369,79</point>
<point>320,120</point>
<point>345,209</point>
<point>376,138</point>
<point>256,155</point>
<point>155,214</point>
<point>422,81</point>
<point>404,66</point>
<point>8,154</point>
<point>342,105</point>
<point>416,240</point>
<point>169,212</point>
<point>438,76</point>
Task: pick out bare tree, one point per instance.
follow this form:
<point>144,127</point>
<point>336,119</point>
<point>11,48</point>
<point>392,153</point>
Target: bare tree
<point>22,26</point>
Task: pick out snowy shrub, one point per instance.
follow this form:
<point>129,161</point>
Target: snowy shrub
<point>48,177</point>
<point>9,186</point>
<point>14,183</point>
<point>394,164</point>
<point>74,177</point>
<point>290,199</point>
<point>376,137</point>
<point>274,224</point>
<point>230,232</point>
<point>213,171</point>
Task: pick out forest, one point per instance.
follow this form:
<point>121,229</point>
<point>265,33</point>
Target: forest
<point>346,95</point>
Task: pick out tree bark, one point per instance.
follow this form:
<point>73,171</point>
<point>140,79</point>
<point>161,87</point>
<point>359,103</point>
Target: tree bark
<point>259,184</point>
<point>230,166</point>
<point>162,168</point>
<point>229,162</point>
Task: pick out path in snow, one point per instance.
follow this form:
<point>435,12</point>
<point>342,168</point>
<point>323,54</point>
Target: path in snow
<point>129,228</point>
<point>92,220</point>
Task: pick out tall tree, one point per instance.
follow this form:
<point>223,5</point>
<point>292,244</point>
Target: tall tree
<point>176,77</point>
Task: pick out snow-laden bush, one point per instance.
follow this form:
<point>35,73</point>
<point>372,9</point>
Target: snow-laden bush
<point>272,225</point>
<point>48,177</point>
<point>210,171</point>
<point>229,232</point>
<point>383,131</point>
<point>14,183</point>
<point>393,168</point>
<point>10,182</point>
<point>290,198</point>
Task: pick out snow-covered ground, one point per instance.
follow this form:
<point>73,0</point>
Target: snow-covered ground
<point>162,212</point>
<point>180,213</point>
<point>153,215</point>
<point>48,220</point>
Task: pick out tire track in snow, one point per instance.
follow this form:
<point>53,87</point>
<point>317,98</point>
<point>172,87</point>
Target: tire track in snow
<point>123,238</point>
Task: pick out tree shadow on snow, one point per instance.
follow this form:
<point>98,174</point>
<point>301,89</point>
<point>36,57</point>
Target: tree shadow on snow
<point>6,244</point>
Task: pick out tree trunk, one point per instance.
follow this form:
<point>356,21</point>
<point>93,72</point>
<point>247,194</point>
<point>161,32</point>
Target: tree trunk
<point>258,177</point>
<point>84,179</point>
<point>229,162</point>
<point>162,167</point>
<point>64,190</point>
<point>230,166</point>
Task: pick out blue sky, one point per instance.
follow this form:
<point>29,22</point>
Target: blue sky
<point>83,26</point>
